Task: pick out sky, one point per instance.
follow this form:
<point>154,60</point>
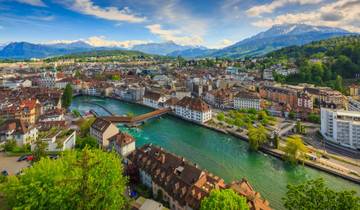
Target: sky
<point>124,23</point>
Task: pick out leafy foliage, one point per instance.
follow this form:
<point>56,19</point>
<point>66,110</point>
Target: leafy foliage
<point>257,137</point>
<point>224,199</point>
<point>87,179</point>
<point>39,150</point>
<point>295,148</point>
<point>313,194</point>
<point>67,96</point>
<point>324,62</point>
<point>84,125</point>
<point>87,141</point>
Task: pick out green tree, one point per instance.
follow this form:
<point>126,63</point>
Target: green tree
<point>220,116</point>
<point>87,179</point>
<point>10,145</point>
<point>84,125</point>
<point>257,137</point>
<point>313,194</point>
<point>295,148</point>
<point>339,84</point>
<point>224,200</point>
<point>67,96</point>
<point>87,141</point>
<point>39,150</point>
<point>115,77</point>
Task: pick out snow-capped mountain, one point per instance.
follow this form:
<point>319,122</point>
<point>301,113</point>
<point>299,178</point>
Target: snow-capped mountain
<point>277,37</point>
<point>164,48</point>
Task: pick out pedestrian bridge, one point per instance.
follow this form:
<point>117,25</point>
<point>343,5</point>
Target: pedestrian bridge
<point>133,121</point>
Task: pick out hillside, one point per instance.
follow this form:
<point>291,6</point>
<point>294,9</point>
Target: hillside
<point>325,62</point>
<point>108,55</point>
<point>277,37</point>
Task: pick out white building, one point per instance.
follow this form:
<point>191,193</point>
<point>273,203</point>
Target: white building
<point>59,140</point>
<point>48,80</point>
<point>153,99</point>
<point>341,127</point>
<point>122,143</point>
<point>102,130</point>
<point>18,130</point>
<point>354,105</point>
<point>193,109</point>
<point>247,100</point>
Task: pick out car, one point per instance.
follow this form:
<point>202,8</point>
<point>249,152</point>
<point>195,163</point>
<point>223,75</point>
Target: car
<point>53,156</point>
<point>22,158</point>
<point>29,158</point>
<point>4,173</point>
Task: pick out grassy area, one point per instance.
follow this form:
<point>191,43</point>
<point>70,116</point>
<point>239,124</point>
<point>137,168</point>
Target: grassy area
<point>246,118</point>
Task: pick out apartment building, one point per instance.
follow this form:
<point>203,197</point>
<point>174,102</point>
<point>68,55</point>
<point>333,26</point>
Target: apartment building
<point>154,99</point>
<point>341,127</point>
<point>245,99</point>
<point>193,109</point>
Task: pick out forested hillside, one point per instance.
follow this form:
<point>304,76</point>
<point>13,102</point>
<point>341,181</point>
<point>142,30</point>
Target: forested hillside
<point>325,62</point>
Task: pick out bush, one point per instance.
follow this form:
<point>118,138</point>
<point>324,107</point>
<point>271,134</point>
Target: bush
<point>10,145</point>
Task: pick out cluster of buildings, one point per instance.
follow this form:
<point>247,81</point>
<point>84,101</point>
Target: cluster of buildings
<point>181,184</point>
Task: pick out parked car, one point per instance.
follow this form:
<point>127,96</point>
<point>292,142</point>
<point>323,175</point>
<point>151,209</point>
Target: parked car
<point>4,173</point>
<point>29,158</point>
<point>22,158</point>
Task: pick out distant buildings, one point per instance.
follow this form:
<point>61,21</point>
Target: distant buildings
<point>193,109</point>
<point>354,105</point>
<point>354,90</point>
<point>154,99</point>
<point>245,99</point>
<point>221,98</point>
<point>18,130</point>
<point>341,127</point>
<point>182,184</point>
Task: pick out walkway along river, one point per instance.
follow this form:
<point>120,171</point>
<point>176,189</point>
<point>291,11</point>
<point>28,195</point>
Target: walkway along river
<point>220,154</point>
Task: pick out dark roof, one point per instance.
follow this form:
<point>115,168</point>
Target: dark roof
<point>152,95</point>
<point>100,124</point>
<point>247,94</point>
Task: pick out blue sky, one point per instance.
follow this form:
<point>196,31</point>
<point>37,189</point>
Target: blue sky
<point>211,23</point>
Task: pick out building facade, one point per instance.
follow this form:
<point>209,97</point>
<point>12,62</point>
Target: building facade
<point>102,130</point>
<point>341,127</point>
<point>193,109</point>
<point>247,100</point>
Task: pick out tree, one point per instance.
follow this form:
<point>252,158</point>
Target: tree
<point>67,96</point>
<point>115,77</point>
<point>87,141</point>
<point>339,84</point>
<point>10,145</point>
<point>257,137</point>
<point>85,126</point>
<point>313,194</point>
<point>295,148</point>
<point>224,200</point>
<point>220,116</point>
<point>300,128</point>
<point>39,150</point>
<point>87,179</point>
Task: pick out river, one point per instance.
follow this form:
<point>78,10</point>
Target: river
<point>220,154</point>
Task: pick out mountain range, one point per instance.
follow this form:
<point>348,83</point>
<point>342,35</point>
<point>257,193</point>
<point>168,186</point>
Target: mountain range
<point>277,37</point>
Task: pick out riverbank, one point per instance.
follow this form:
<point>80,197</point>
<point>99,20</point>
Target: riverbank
<point>273,152</point>
<point>221,154</point>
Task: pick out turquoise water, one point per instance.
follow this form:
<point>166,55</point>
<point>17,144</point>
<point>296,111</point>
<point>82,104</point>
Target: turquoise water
<point>220,154</point>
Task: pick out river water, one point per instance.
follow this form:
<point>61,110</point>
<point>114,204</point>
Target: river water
<point>220,154</point>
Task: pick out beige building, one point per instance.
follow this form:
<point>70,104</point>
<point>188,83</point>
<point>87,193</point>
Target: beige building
<point>102,130</point>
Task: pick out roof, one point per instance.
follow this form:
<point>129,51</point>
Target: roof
<point>247,94</point>
<point>100,124</point>
<point>194,104</point>
<point>183,181</point>
<point>152,95</point>
<point>122,139</point>
<point>14,125</point>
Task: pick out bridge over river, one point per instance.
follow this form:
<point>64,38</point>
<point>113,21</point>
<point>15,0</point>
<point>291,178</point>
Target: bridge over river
<point>131,121</point>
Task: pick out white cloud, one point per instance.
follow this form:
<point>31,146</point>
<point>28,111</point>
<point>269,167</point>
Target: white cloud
<point>37,3</point>
<point>174,35</point>
<point>109,13</point>
<point>101,41</point>
<point>276,4</point>
<point>342,14</point>
<point>221,44</point>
